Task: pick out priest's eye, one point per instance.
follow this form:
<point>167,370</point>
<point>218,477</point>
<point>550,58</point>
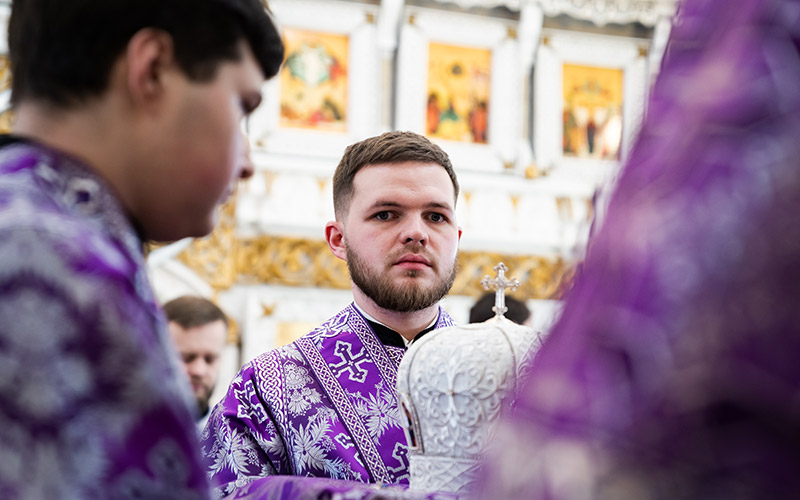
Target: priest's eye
<point>383,216</point>
<point>436,217</point>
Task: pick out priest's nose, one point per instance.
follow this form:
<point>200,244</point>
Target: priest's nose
<point>414,232</point>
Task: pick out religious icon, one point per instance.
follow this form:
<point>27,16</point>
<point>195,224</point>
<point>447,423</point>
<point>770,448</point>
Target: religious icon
<point>314,81</point>
<point>592,118</point>
<point>458,93</point>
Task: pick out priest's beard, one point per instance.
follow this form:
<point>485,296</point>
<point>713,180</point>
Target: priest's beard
<point>407,297</point>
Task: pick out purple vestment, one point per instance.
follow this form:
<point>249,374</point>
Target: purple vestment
<point>673,372</point>
<point>324,405</point>
<point>91,402</point>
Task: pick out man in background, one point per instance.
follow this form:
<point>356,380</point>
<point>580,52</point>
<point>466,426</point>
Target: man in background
<point>127,129</point>
<point>199,329</point>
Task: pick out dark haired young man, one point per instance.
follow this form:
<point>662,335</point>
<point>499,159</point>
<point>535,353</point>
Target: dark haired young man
<point>325,405</point>
<point>127,128</point>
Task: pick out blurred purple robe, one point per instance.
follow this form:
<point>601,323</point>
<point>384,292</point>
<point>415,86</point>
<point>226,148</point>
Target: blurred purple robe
<point>91,401</point>
<point>322,406</point>
<point>673,372</point>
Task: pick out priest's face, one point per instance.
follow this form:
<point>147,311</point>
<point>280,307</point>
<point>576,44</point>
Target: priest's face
<point>400,235</point>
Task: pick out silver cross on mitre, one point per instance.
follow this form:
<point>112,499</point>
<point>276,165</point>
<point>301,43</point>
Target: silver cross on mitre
<point>499,285</point>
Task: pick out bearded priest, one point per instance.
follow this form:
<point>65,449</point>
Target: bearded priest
<point>325,405</point>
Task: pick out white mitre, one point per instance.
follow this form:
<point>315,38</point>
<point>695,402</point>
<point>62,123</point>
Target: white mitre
<point>452,384</point>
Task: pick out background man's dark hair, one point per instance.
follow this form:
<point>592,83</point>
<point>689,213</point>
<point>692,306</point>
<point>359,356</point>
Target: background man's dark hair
<point>62,51</point>
<point>388,148</point>
<point>189,311</point>
<point>517,312</point>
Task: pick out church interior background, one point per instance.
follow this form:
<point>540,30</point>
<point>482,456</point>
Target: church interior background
<point>536,101</point>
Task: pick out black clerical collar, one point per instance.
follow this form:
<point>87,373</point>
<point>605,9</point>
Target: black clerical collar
<point>390,337</point>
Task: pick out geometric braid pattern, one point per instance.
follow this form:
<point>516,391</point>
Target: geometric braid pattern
<point>271,384</point>
<point>395,353</point>
<point>344,407</point>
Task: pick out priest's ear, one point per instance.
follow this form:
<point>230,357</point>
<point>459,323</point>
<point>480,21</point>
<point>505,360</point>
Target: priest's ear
<point>335,238</point>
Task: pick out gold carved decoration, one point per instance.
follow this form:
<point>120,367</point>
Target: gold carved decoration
<point>288,332</point>
<point>233,330</point>
<point>213,257</point>
<point>224,260</point>
<point>532,171</point>
<point>267,310</point>
<point>564,207</point>
<point>292,261</point>
<point>5,73</point>
<point>7,116</point>
<point>540,277</point>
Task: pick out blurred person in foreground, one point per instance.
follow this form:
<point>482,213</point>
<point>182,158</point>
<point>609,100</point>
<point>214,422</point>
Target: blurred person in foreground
<point>325,406</point>
<point>517,311</point>
<point>199,330</point>
<point>673,373</point>
<point>127,129</point>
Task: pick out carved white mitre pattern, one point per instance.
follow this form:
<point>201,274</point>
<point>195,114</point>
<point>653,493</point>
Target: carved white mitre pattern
<point>452,383</point>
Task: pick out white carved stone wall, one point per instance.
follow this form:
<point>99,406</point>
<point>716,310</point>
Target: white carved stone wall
<point>500,210</point>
